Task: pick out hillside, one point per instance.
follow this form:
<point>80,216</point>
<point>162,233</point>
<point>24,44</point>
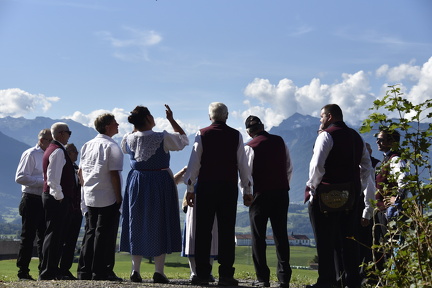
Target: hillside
<point>10,154</point>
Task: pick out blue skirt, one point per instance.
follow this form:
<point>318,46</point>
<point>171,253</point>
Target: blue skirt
<point>150,218</point>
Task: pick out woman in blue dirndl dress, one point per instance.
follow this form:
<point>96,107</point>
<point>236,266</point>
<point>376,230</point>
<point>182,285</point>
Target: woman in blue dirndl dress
<point>150,218</point>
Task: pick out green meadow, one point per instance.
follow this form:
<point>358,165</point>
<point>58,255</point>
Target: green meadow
<point>177,267</point>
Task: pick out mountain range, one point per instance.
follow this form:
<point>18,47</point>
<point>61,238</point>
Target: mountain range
<point>18,134</point>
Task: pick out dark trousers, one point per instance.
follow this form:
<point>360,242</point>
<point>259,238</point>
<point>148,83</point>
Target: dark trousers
<point>215,200</point>
<point>336,252</point>
<point>33,224</point>
<point>81,271</point>
<point>73,224</point>
<point>55,215</point>
<point>98,252</point>
<point>380,231</point>
<point>271,205</point>
<point>364,236</point>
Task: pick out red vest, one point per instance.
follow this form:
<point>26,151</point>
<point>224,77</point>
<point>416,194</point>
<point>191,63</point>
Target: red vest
<point>67,180</point>
<point>269,165</point>
<point>219,157</point>
<point>381,179</point>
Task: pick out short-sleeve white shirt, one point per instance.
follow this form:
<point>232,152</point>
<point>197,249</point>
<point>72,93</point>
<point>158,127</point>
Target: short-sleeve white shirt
<point>99,157</point>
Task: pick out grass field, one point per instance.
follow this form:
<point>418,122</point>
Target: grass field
<point>177,267</point>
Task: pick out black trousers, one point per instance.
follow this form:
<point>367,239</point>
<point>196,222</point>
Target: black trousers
<point>336,252</point>
<point>271,205</point>
<point>219,200</point>
<point>73,223</point>
<point>98,252</point>
<point>33,224</point>
<point>55,216</point>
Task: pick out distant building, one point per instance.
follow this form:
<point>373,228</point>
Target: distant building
<point>243,239</point>
<point>294,240</point>
<point>9,249</point>
<point>299,240</point>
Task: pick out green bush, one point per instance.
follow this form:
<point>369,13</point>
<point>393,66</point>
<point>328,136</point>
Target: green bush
<point>410,262</point>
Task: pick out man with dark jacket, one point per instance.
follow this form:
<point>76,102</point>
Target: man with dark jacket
<point>216,160</point>
<point>339,156</point>
<point>59,186</point>
<point>270,163</point>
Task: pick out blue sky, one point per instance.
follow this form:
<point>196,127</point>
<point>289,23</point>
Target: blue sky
<point>270,58</point>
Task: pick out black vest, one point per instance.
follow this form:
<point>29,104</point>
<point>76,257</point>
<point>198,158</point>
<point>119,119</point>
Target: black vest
<point>67,181</point>
<point>219,157</point>
<point>342,163</point>
<point>269,165</point>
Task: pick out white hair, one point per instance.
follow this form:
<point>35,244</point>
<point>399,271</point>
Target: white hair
<point>218,111</point>
<point>58,127</point>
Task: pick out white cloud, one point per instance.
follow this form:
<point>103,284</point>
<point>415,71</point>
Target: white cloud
<point>274,103</point>
<point>422,91</point>
<point>278,102</point>
<point>121,117</point>
<point>16,102</point>
<point>133,46</point>
<point>420,78</point>
<point>406,71</point>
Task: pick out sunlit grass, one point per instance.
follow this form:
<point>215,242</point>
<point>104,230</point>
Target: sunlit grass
<point>177,267</point>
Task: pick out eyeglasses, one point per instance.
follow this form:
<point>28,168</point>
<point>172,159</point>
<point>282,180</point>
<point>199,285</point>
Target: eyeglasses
<point>68,132</point>
<point>380,140</point>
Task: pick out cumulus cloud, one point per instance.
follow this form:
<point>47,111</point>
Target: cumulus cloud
<point>121,117</point>
<point>275,102</point>
<point>16,102</point>
<point>414,81</point>
<point>422,90</point>
<point>134,45</point>
<point>406,71</point>
<point>278,102</point>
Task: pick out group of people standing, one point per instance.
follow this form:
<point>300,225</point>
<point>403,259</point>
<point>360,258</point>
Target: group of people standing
<point>56,195</point>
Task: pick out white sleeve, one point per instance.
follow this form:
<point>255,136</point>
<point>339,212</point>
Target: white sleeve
<point>175,141</point>
<point>194,164</point>
<point>54,173</point>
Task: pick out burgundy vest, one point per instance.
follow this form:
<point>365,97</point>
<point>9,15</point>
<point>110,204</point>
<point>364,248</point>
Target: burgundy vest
<point>342,163</point>
<point>219,157</point>
<point>381,179</point>
<point>269,165</point>
<point>67,180</point>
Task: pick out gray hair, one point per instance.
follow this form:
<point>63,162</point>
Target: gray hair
<point>218,111</point>
<point>58,127</point>
<point>43,133</point>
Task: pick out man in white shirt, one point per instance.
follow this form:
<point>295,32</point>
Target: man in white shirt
<point>101,163</point>
<point>30,175</point>
<point>339,156</point>
<point>59,186</point>
<point>217,158</point>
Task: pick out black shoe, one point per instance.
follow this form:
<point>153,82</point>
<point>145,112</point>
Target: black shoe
<point>198,281</point>
<point>212,279</point>
<point>135,277</point>
<point>84,276</point>
<point>228,281</point>
<point>159,278</point>
<point>113,277</point>
<point>25,277</point>
<point>100,277</point>
<point>66,275</point>
<point>261,283</point>
<point>316,285</point>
